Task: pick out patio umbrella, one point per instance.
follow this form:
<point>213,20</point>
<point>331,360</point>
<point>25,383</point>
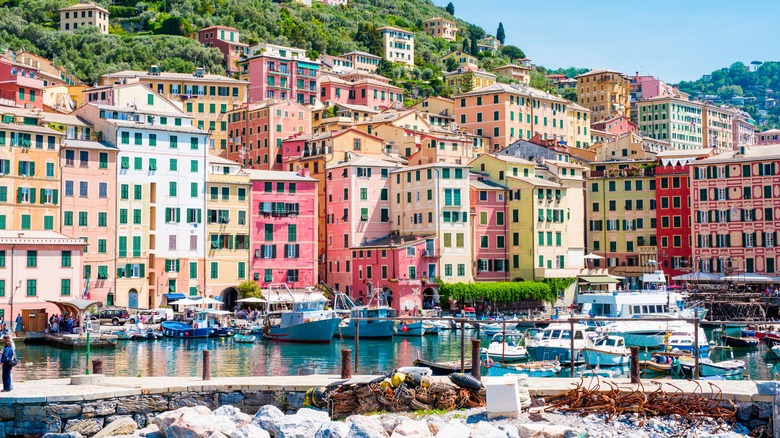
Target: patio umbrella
<point>185,302</point>
<point>748,278</point>
<point>592,256</point>
<point>251,300</point>
<point>209,301</point>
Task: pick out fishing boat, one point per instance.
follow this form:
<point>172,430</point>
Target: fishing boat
<point>125,335</point>
<point>726,368</point>
<point>740,342</point>
<point>683,340</point>
<point>410,328</point>
<point>443,368</point>
<point>549,368</point>
<point>608,351</point>
<point>368,329</point>
<point>773,353</point>
<point>555,342</point>
<point>506,348</point>
<point>307,321</point>
<point>431,328</point>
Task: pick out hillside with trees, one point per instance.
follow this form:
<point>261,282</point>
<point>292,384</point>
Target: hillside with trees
<point>153,32</point>
<point>754,88</point>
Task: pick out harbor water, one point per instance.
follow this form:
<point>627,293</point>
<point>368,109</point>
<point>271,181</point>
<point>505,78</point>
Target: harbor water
<point>183,357</point>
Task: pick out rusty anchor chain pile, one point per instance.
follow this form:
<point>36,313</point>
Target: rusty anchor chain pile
<point>691,408</point>
<point>348,400</point>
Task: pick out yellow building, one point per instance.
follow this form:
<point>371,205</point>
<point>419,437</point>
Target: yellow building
<point>400,130</point>
<point>440,110</point>
<point>718,127</point>
<point>605,92</point>
<point>621,216</point>
<point>227,228</point>
<point>438,27</point>
<point>467,80</point>
<point>205,97</point>
<point>84,14</point>
<point>30,169</point>
<point>578,126</point>
<point>465,60</point>
<point>517,73</point>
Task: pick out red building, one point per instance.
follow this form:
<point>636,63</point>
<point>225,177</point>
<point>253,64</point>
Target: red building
<point>20,85</point>
<point>226,40</point>
<point>283,228</point>
<point>673,212</point>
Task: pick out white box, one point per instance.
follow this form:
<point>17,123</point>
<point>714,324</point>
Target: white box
<point>502,397</point>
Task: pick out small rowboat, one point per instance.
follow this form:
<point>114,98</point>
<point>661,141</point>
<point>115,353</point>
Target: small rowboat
<point>244,338</point>
<point>548,368</point>
<point>443,368</point>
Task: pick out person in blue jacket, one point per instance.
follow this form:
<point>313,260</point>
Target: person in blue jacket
<point>6,360</point>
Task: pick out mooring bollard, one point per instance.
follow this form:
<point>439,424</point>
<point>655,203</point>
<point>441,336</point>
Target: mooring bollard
<point>634,364</point>
<point>97,366</point>
<point>206,365</point>
<point>346,362</point>
<point>475,369</point>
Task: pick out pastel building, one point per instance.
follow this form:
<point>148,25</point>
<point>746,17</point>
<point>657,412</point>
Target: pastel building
<point>88,206</point>
<point>280,72</point>
<point>206,98</point>
<point>256,131</point>
<point>336,64</point>
<point>441,146</point>
<point>466,80</point>
<point>605,92</point>
<point>20,85</point>
<point>283,229</point>
<point>440,110</point>
<point>29,163</point>
<point>36,266</point>
<point>48,72</point>
<point>490,229</point>
<point>465,60</point>
<point>615,125</point>
<point>718,127</point>
<point>226,39</point>
<point>490,44</point>
<point>371,91</point>
<point>518,73</point>
<point>735,209</point>
<point>84,14</point>
<point>436,199</point>
<point>770,136</point>
<point>399,45</point>
<point>357,211</point>
<point>228,217</point>
<point>439,27</point>
<point>678,121</point>
<point>363,61</point>
<point>160,197</point>
<point>743,130</point>
<point>577,134</point>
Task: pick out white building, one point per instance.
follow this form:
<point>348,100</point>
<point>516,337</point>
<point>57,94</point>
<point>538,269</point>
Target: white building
<point>399,45</point>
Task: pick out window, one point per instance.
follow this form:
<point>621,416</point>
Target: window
<point>32,288</point>
<point>32,259</point>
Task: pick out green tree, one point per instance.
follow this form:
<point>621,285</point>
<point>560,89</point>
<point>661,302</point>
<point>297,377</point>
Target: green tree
<point>369,37</point>
<point>450,9</point>
<point>500,34</point>
<point>466,45</point>
<point>540,81</point>
<point>467,82</point>
<point>512,52</point>
<point>451,64</point>
<point>570,94</point>
<point>249,289</point>
<point>474,48</point>
<point>175,26</point>
<point>726,92</point>
<point>385,68</point>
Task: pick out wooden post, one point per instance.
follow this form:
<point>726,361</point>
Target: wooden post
<point>463,347</point>
<point>346,361</point>
<point>571,350</point>
<point>696,344</point>
<point>97,366</point>
<point>357,345</point>
<point>475,368</point>
<point>634,364</point>
<point>206,365</point>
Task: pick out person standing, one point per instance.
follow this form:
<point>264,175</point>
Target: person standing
<point>7,359</point>
<point>18,323</point>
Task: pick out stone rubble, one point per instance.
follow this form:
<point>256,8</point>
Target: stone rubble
<point>270,422</point>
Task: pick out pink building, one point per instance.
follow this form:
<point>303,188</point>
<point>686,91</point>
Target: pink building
<point>20,85</point>
<point>226,40</point>
<point>490,224</point>
<point>771,136</point>
<point>648,87</point>
<point>617,125</point>
<point>36,266</point>
<point>396,265</point>
<point>357,211</point>
<point>363,61</point>
<point>279,72</point>
<point>372,91</point>
<point>283,228</point>
<point>88,207</point>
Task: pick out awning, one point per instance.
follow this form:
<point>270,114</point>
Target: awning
<point>598,279</point>
<point>653,278</point>
<point>698,276</point>
<point>173,297</point>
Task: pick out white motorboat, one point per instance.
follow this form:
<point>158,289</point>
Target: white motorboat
<point>506,348</point>
<point>607,351</point>
<point>726,368</point>
<point>555,342</point>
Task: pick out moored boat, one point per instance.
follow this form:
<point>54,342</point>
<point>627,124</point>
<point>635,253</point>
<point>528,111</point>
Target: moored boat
<point>370,329</point>
<point>607,351</point>
<point>245,338</point>
<point>726,368</point>
<point>549,368</point>
<point>431,328</point>
<point>306,322</point>
<point>555,343</point>
<point>505,348</point>
<point>410,329</point>
<point>773,353</point>
<point>740,342</point>
<point>443,368</point>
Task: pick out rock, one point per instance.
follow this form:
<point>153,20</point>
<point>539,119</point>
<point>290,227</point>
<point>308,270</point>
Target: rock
<point>412,428</point>
<point>193,424</point>
<point>87,427</point>
<point>120,426</point>
<point>333,429</point>
<point>545,430</point>
<point>164,420</point>
<point>267,416</point>
<point>746,411</point>
<point>510,430</point>
<point>235,415</point>
<point>137,404</point>
<point>63,435</point>
<point>368,427</point>
<point>217,434</point>
<point>486,430</point>
<point>299,425</point>
<point>453,429</point>
<point>191,399</point>
<point>249,431</point>
<point>390,422</point>
<point>149,431</point>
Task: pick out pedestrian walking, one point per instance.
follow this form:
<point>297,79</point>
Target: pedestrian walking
<point>8,361</point>
<point>19,323</point>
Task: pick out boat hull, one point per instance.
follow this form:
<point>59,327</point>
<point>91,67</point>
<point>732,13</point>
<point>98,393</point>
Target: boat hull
<point>594,357</point>
<point>368,330</point>
<point>308,332</point>
<point>411,329</point>
<point>740,342</point>
<point>550,369</point>
<point>443,368</point>
<point>725,369</point>
<point>174,329</point>
<point>245,339</point>
<point>548,353</point>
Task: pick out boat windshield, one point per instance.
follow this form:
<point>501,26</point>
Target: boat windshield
<point>552,334</point>
<point>566,335</point>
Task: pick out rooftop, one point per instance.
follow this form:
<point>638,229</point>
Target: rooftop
<point>155,127</point>
<point>400,240</point>
<point>165,75</point>
<point>87,144</point>
<point>37,237</point>
<point>276,175</point>
<point>440,165</point>
<point>83,6</point>
<point>365,161</point>
<point>537,182</point>
<point>599,71</point>
<point>521,90</point>
<point>754,153</point>
<point>359,53</point>
<point>486,184</point>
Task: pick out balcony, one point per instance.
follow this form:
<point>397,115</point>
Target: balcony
<point>435,254</point>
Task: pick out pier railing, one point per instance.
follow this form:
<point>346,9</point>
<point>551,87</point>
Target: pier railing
<point>509,324</point>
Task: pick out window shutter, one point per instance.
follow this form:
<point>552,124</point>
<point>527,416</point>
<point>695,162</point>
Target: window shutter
<point>273,251</point>
<point>709,172</point>
<point>727,171</point>
<point>178,265</point>
<point>230,241</point>
<point>709,240</point>
<point>32,196</point>
<point>200,216</point>
<point>744,242</point>
<point>18,195</point>
<point>297,250</point>
<point>755,242</point>
<point>728,240</point>
<point>763,240</point>
<point>56,196</point>
<point>128,269</point>
<point>178,215</point>
<point>142,270</point>
<point>727,190</point>
<point>760,169</point>
<point>32,168</point>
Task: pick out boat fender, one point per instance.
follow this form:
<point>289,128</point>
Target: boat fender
<point>413,379</point>
<point>386,383</point>
<point>195,325</point>
<point>465,381</point>
<point>397,379</point>
<point>426,381</point>
<point>487,363</point>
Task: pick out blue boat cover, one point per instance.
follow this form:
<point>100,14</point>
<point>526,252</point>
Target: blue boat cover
<point>174,297</point>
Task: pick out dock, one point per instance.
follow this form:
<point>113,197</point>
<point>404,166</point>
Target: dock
<point>72,342</point>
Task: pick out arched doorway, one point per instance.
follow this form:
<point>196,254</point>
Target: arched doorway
<point>132,299</point>
<point>228,297</point>
<point>430,298</point>
<point>386,297</point>
<point>110,299</point>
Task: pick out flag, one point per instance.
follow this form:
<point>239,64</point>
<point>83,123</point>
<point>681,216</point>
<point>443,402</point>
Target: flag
<point>86,289</point>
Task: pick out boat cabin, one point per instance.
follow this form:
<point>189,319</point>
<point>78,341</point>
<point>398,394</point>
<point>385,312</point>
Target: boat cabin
<point>611,341</point>
<point>373,312</point>
<point>512,340</point>
<point>562,333</point>
<point>628,304</point>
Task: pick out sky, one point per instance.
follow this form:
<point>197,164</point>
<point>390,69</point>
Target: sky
<point>673,40</point>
